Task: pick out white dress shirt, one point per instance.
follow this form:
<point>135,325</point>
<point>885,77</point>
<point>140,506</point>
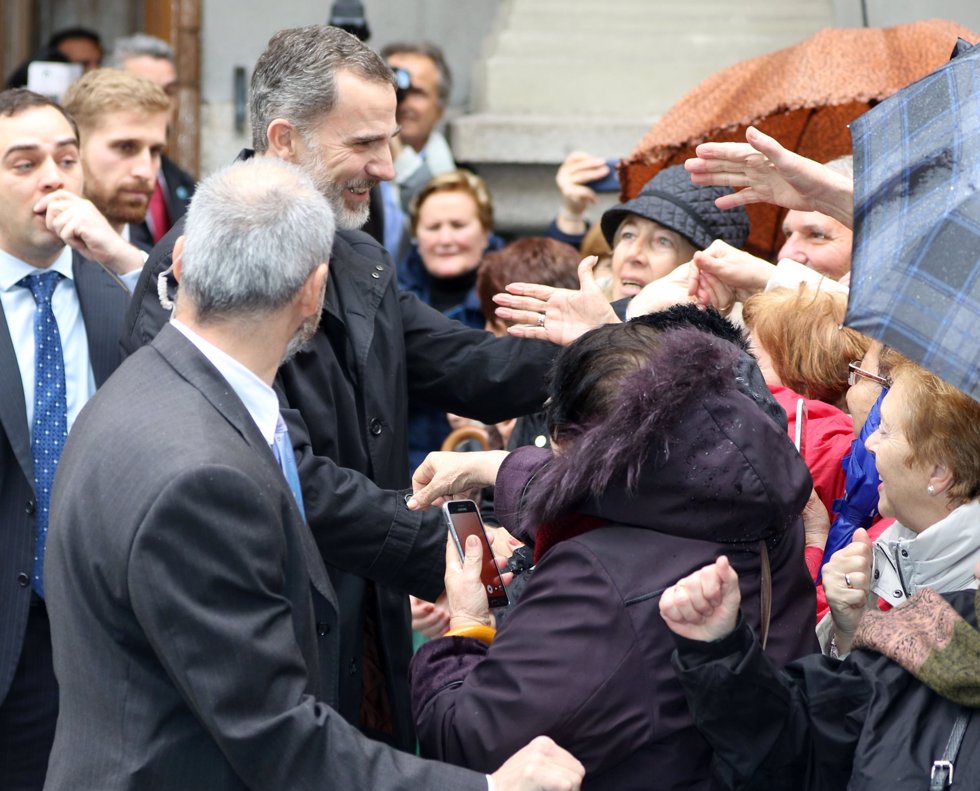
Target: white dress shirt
<point>259,399</point>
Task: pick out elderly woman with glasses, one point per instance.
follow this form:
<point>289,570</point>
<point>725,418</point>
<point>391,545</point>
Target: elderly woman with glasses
<point>896,713</point>
<point>927,454</point>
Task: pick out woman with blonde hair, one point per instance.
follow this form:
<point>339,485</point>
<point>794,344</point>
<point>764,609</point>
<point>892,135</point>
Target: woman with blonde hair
<point>452,222</point>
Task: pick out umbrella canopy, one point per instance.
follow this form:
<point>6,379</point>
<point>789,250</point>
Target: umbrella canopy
<point>804,96</point>
<point>915,272</point>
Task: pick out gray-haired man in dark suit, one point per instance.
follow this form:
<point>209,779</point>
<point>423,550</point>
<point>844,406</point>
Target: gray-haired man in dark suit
<point>193,622</point>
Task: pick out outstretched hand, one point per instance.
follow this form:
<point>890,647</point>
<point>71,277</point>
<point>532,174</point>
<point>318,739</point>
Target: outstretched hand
<point>559,315</point>
<point>703,605</point>
<point>660,294</point>
<point>723,274</point>
<point>443,475</point>
<point>766,172</point>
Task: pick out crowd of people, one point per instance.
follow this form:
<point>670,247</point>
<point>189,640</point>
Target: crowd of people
<point>741,540</point>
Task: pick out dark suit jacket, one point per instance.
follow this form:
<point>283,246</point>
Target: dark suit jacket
<point>194,627</point>
<point>180,189</point>
<point>348,394</point>
<point>103,302</point>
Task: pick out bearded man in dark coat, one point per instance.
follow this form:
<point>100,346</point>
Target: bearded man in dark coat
<point>324,101</point>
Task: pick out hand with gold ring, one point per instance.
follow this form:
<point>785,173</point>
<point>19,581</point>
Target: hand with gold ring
<point>847,584</point>
<point>559,315</point>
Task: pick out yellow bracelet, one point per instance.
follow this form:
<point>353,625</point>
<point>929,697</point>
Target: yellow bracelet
<point>483,633</point>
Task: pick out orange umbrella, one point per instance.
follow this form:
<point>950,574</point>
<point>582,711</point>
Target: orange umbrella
<point>804,96</point>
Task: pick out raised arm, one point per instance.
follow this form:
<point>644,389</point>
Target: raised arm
<point>559,315</point>
<point>766,172</point>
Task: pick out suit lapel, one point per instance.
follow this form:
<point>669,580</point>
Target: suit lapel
<point>13,410</point>
<point>193,366</point>
<point>98,296</point>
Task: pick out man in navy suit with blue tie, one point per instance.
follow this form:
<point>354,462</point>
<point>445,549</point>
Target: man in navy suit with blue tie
<point>60,321</point>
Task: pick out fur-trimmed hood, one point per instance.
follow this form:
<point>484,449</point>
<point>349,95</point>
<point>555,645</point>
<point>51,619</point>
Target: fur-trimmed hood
<point>683,452</point>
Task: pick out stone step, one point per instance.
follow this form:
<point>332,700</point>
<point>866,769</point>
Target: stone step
<point>611,9</point>
<point>546,139</point>
<point>528,85</point>
<point>696,16</point>
<point>561,75</point>
<point>655,47</point>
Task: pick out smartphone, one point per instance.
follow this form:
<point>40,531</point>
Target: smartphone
<point>799,438</point>
<point>609,183</point>
<point>52,79</point>
<point>463,518</point>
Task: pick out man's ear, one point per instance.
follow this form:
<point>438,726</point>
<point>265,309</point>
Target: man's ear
<point>283,139</point>
<point>178,258</point>
<point>311,292</point>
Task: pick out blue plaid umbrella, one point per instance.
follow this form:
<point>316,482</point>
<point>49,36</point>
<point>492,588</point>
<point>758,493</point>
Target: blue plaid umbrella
<point>915,276</point>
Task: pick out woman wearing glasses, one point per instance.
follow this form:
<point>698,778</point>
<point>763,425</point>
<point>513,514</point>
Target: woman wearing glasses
<point>926,451</point>
<point>896,713</point>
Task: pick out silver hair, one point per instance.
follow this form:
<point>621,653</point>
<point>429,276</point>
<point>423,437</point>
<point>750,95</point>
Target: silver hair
<point>136,46</point>
<point>295,78</point>
<point>255,232</point>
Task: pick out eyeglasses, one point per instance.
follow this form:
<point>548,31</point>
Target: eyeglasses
<point>855,371</point>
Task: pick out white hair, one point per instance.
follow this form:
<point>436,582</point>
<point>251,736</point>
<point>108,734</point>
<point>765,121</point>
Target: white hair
<point>255,232</point>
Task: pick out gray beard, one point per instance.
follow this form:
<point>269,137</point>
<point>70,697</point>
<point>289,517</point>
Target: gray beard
<point>306,330</point>
<point>347,218</point>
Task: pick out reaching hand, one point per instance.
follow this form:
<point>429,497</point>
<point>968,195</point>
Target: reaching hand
<point>660,294</point>
<point>83,227</point>
<point>847,584</point>
<point>540,766</point>
<point>740,274</point>
<point>770,173</point>
<point>704,605</point>
<point>429,618</point>
<point>442,476</point>
<point>559,315</point>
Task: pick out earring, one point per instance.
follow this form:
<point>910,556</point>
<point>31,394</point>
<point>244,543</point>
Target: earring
<point>931,489</point>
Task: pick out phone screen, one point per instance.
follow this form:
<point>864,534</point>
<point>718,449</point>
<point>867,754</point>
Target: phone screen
<point>464,521</point>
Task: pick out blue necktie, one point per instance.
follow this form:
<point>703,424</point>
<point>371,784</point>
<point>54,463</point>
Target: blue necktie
<point>282,449</point>
<point>50,425</point>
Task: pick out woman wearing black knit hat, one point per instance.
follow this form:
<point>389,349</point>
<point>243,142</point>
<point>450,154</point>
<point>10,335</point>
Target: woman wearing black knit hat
<point>663,226</point>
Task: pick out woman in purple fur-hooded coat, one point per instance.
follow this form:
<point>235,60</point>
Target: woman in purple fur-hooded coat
<point>662,465</point>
